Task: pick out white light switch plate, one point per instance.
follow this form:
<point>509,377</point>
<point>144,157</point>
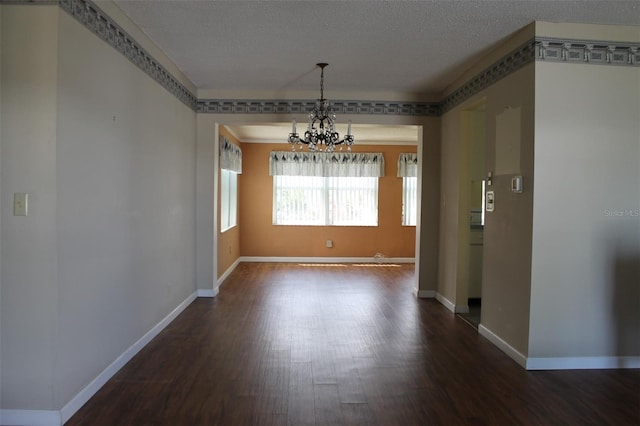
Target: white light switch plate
<point>489,201</point>
<point>20,204</point>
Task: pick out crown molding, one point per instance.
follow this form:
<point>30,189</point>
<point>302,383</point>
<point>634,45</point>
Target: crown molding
<point>506,65</point>
<point>536,49</point>
<point>98,22</point>
<point>587,51</point>
<point>283,106</point>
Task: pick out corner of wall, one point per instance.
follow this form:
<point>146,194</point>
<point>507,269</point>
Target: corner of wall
<point>491,56</point>
<point>29,257</point>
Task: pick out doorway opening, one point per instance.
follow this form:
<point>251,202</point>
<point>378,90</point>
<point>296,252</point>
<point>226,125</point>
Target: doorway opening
<point>472,181</point>
<point>320,244</point>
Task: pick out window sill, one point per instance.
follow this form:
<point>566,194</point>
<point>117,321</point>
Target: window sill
<point>222,231</point>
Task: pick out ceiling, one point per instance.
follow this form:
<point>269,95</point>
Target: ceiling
<point>366,134</point>
<point>417,47</point>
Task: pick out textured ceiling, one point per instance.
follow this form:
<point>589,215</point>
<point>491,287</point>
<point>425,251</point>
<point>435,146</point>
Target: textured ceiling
<point>412,47</point>
<point>381,46</point>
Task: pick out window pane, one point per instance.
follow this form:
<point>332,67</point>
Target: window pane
<point>353,201</point>
<point>409,201</point>
<point>233,199</point>
<point>228,199</point>
<point>306,200</point>
<point>298,200</point>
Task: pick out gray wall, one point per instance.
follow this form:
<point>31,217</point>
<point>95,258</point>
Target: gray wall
<point>507,231</point>
<point>108,250</point>
<point>585,294</point>
<point>29,291</point>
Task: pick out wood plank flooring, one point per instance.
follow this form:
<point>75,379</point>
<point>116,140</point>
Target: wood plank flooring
<point>286,344</point>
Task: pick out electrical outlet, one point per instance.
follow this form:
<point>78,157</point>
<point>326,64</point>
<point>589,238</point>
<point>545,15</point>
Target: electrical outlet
<point>329,243</point>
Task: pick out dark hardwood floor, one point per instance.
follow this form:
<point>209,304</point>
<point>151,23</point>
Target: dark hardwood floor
<point>288,344</point>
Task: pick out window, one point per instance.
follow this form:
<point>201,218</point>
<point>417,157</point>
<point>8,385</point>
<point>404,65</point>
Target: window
<point>228,199</point>
<point>334,201</point>
<point>230,167</point>
<point>409,201</point>
<point>408,171</point>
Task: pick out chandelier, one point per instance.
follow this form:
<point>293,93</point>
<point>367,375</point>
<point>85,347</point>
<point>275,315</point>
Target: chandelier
<point>322,128</point>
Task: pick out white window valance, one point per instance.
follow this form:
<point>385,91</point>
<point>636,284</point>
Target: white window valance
<point>230,155</point>
<point>408,165</point>
<point>323,164</point>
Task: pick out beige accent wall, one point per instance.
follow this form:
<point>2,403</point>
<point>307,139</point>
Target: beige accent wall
<point>228,241</point>
<point>259,237</point>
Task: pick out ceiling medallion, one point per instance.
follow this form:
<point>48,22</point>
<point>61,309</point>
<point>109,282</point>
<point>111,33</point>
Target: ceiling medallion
<point>321,132</point>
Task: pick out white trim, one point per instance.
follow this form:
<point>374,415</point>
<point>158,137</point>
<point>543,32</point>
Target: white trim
<point>461,309</point>
<point>30,417</point>
<point>228,272</point>
<point>502,345</point>
<point>85,394</point>
<point>456,309</point>
<point>425,294</point>
<point>583,363</point>
<point>446,302</point>
<point>207,292</point>
<point>327,259</point>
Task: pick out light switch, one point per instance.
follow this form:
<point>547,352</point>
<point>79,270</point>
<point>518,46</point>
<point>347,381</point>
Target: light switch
<point>490,201</point>
<point>516,184</point>
<point>20,204</point>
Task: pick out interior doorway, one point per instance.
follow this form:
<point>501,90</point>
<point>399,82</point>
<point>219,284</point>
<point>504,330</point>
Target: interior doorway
<point>472,201</point>
<point>261,130</point>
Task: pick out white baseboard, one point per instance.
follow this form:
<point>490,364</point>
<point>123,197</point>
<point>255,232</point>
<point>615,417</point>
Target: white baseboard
<point>207,292</point>
<point>228,272</point>
<point>561,363</point>
<point>503,346</point>
<point>214,291</point>
<point>85,394</point>
<point>425,294</point>
<point>30,417</point>
<point>327,259</point>
<point>446,302</point>
<point>583,363</point>
<point>456,309</point>
<point>461,309</point>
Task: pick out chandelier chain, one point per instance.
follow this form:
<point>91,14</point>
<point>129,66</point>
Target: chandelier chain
<point>322,83</point>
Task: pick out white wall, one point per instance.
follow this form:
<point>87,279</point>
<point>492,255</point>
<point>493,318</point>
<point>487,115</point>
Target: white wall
<point>29,260</point>
<point>585,299</point>
<point>108,250</point>
<point>126,205</point>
